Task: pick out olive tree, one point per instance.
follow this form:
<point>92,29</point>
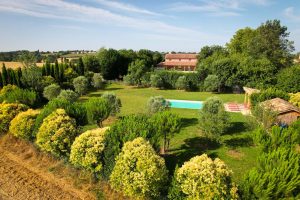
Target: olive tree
<point>157,104</point>
<point>114,101</point>
<point>68,95</point>
<point>81,84</point>
<point>214,120</point>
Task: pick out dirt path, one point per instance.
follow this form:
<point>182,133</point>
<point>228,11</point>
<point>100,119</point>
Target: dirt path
<point>20,181</point>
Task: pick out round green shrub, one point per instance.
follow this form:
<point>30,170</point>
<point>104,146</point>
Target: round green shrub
<point>157,104</point>
<point>81,84</point>
<point>22,125</point>
<point>51,91</point>
<point>7,112</point>
<point>57,133</point>
<point>68,95</point>
<point>139,172</point>
<point>87,150</point>
<point>114,101</point>
<point>204,178</point>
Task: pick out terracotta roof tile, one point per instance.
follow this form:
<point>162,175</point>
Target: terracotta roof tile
<point>280,105</point>
<point>181,56</point>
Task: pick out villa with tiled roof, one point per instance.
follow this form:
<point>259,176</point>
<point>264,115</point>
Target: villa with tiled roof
<point>179,62</point>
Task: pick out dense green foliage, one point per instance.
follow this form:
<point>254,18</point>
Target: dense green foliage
<point>22,125</point>
<point>32,78</point>
<point>87,150</point>
<point>157,104</point>
<point>98,109</point>
<point>214,120</point>
<point>13,94</point>
<point>8,111</point>
<point>204,178</point>
<point>51,91</point>
<point>211,83</point>
<point>114,102</point>
<point>288,79</point>
<point>139,172</point>
<point>57,133</point>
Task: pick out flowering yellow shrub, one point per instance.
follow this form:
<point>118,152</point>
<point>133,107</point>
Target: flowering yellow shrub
<point>204,178</point>
<point>295,99</point>
<point>57,133</point>
<point>139,172</point>
<point>7,112</point>
<point>87,149</point>
<point>22,125</point>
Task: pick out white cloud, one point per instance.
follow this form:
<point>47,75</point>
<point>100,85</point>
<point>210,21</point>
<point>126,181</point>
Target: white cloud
<point>290,13</point>
<point>217,7</point>
<point>60,9</point>
<point>126,7</point>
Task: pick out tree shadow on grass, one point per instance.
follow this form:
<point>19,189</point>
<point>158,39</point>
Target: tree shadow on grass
<point>186,122</point>
<point>190,148</point>
<point>113,89</point>
<point>239,142</point>
<point>236,128</point>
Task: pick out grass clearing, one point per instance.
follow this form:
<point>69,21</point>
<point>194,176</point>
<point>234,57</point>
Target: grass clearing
<point>189,141</point>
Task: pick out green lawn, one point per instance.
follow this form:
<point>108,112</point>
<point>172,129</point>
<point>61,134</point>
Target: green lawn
<point>236,149</point>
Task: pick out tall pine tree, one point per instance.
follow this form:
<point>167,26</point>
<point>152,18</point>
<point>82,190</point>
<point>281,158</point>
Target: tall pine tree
<point>80,67</point>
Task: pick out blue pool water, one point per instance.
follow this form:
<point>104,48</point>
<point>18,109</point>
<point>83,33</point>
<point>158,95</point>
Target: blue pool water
<point>185,104</point>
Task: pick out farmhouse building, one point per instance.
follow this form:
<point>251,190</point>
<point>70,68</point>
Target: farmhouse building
<point>286,112</point>
<point>179,62</point>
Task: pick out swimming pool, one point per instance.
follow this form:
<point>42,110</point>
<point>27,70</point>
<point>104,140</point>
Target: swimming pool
<point>185,104</point>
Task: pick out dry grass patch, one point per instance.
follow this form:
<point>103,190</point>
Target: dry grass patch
<point>233,153</point>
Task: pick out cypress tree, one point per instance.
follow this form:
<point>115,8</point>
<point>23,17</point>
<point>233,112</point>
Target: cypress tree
<point>56,71</point>
<point>47,68</point>
<point>80,67</point>
<point>17,77</point>
<point>1,82</point>
<point>4,75</point>
<point>44,70</point>
<point>61,72</point>
<point>51,71</point>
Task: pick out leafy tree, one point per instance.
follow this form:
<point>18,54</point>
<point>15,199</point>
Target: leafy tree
<point>51,91</point>
<point>276,176</point>
<point>136,71</point>
<point>127,56</point>
<point>87,150</point>
<point>98,109</point>
<point>32,78</point>
<point>22,125</point>
<point>166,125</point>
<point>114,101</point>
<point>109,60</point>
<point>181,83</point>
<point>288,79</point>
<point>211,83</point>
<point>28,59</point>
<point>8,111</point>
<point>57,133</point>
<point>139,171</point>
<point>70,74</point>
<point>91,63</point>
<point>98,81</point>
<point>47,80</point>
<point>80,84</point>
<point>68,95</point>
<point>204,178</point>
<point>214,120</point>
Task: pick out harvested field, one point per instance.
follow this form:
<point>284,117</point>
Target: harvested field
<point>27,174</point>
<point>15,65</point>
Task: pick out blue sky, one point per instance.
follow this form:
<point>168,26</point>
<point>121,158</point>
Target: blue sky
<point>163,25</point>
